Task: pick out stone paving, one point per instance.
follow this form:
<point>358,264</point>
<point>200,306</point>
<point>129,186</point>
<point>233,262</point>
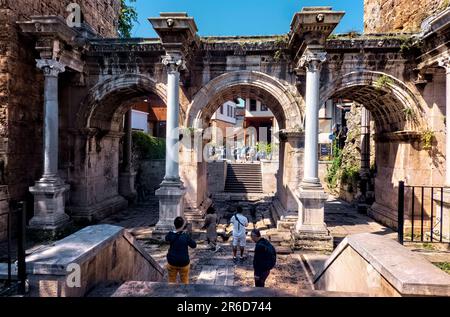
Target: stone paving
<point>218,269</point>
<point>343,219</point>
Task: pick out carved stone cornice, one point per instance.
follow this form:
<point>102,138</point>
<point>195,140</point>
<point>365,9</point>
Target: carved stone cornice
<point>55,40</point>
<point>51,68</point>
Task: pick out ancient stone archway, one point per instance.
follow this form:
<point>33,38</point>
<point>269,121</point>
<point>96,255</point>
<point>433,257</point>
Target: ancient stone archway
<point>399,120</point>
<point>281,98</point>
<point>95,181</point>
<point>107,101</point>
<point>386,97</point>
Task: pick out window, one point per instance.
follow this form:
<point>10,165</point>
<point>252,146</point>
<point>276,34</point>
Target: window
<point>252,105</point>
<point>221,109</point>
<point>264,107</point>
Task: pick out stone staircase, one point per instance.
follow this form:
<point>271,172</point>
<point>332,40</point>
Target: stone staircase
<point>244,178</point>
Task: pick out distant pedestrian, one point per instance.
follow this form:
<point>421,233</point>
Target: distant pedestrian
<point>264,260</point>
<point>178,261</point>
<point>211,228</point>
<point>240,223</point>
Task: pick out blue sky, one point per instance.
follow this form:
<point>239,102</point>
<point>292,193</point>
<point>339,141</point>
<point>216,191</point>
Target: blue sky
<point>244,17</point>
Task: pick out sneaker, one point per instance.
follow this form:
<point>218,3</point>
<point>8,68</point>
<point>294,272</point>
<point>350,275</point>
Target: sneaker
<point>243,258</point>
<point>235,259</point>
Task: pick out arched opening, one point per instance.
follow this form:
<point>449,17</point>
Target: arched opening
<point>280,174</point>
<point>381,145</point>
<point>103,176</point>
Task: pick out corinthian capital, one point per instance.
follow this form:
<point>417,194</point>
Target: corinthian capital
<point>50,67</point>
<point>445,62</point>
<point>313,60</point>
<point>174,62</point>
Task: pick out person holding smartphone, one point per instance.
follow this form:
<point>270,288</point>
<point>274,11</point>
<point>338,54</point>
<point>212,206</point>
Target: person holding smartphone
<point>178,261</point>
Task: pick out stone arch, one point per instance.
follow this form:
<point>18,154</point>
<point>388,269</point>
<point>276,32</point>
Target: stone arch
<point>107,101</point>
<point>387,102</point>
<point>282,99</point>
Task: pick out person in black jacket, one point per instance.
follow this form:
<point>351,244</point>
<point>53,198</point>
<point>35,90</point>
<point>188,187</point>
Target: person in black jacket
<point>178,261</point>
<point>264,259</point>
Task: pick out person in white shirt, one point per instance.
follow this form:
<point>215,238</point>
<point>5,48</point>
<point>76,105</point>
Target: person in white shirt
<point>240,223</point>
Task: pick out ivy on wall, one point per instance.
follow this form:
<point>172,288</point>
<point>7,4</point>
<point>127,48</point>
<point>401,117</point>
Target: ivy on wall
<point>146,147</point>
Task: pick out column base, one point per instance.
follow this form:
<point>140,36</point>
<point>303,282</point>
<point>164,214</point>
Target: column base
<point>171,205</point>
<point>311,232</point>
<point>49,205</point>
<point>126,186</point>
<point>311,184</point>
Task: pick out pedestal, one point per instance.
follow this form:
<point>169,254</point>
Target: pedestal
<point>49,206</point>
<point>126,185</point>
<point>311,232</point>
<point>171,205</point>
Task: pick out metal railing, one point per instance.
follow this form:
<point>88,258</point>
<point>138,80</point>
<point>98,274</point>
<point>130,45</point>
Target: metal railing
<point>424,218</point>
<point>19,210</point>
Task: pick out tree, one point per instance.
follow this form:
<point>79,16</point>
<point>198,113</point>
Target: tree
<point>128,16</point>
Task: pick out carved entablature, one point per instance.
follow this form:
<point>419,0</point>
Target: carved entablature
<point>310,29</point>
<point>178,34</point>
<point>240,45</point>
<point>56,40</point>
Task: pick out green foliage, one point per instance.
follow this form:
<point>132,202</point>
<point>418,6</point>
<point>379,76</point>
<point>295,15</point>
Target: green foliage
<point>409,113</point>
<point>281,43</point>
<point>264,147</point>
<point>148,147</point>
<point>128,16</point>
<point>444,266</point>
<point>278,55</point>
<point>410,45</point>
<point>444,5</point>
<point>383,81</point>
<point>427,138</point>
<point>333,170</point>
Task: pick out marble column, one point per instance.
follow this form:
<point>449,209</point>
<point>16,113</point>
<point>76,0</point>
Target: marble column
<point>445,62</point>
<point>127,175</point>
<point>48,192</point>
<point>171,193</point>
<point>313,63</point>
<point>311,195</point>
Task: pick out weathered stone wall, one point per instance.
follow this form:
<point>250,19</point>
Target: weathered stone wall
<point>384,16</point>
<point>269,171</point>
<point>152,175</point>
<point>217,175</point>
<point>21,85</point>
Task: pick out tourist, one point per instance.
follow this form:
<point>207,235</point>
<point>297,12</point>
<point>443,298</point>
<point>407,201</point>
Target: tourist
<point>178,261</point>
<point>240,224</point>
<point>211,228</point>
<point>243,154</point>
<point>252,154</point>
<point>264,260</point>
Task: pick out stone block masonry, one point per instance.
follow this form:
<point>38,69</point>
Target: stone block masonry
<point>385,16</point>
<point>21,85</point>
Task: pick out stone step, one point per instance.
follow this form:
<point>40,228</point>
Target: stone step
<point>153,289</point>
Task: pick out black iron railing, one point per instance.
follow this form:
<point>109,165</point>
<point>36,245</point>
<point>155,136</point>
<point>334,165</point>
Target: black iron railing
<point>18,210</point>
<point>425,221</point>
